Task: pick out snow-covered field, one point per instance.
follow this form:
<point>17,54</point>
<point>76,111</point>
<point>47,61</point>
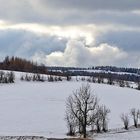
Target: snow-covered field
<point>38,108</point>
<point>132,135</point>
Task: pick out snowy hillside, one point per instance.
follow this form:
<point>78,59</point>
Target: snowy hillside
<point>37,108</point>
<point>130,135</point>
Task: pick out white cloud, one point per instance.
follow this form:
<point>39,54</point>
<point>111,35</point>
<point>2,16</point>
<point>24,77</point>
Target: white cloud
<point>76,54</point>
<point>137,12</point>
<point>53,45</point>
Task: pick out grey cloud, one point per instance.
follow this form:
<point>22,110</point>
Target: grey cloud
<point>64,12</point>
<point>94,4</point>
<point>69,12</point>
<point>99,18</point>
<point>26,44</point>
<point>53,50</point>
<point>128,40</point>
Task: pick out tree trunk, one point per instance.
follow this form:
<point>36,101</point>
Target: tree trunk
<point>126,127</point>
<point>98,129</point>
<point>84,131</point>
<point>135,123</point>
<point>104,126</point>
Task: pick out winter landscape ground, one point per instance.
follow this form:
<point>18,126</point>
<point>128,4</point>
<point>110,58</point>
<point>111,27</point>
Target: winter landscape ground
<point>71,42</point>
<point>38,108</point>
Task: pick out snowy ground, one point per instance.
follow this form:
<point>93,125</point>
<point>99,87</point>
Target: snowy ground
<point>34,108</point>
<point>130,135</point>
<point>22,138</point>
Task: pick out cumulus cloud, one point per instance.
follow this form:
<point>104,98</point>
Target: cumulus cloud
<point>60,46</point>
<point>77,54</point>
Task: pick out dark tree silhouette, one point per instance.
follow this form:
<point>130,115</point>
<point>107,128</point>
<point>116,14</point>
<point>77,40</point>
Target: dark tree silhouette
<point>82,105</point>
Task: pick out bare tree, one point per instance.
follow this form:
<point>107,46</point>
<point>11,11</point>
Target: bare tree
<point>82,105</point>
<point>110,80</point>
<point>121,83</point>
<point>11,77</point>
<point>68,77</point>
<point>135,114</point>
<point>1,76</point>
<point>8,77</point>
<point>104,111</point>
<point>138,86</point>
<point>93,79</point>
<point>101,122</point>
<point>98,120</point>
<point>127,84</point>
<point>59,78</point>
<point>100,80</point>
<point>50,78</point>
<point>71,123</point>
<point>125,120</point>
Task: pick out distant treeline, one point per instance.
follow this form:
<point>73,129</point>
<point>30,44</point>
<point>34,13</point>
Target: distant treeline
<point>114,73</point>
<point>109,72</point>
<point>102,68</point>
<point>23,65</point>
<point>117,69</point>
<point>113,76</point>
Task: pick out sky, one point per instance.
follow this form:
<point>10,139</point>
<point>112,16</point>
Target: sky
<point>81,33</point>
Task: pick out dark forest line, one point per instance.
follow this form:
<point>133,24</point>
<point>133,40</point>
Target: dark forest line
<point>110,72</point>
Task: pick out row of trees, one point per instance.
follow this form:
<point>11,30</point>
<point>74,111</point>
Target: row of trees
<point>19,64</point>
<point>7,77</point>
<point>100,68</point>
<point>34,77</point>
<point>110,81</point>
<point>102,74</point>
<point>52,78</point>
<point>117,69</point>
<point>83,111</point>
<point>39,77</point>
<point>135,114</point>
